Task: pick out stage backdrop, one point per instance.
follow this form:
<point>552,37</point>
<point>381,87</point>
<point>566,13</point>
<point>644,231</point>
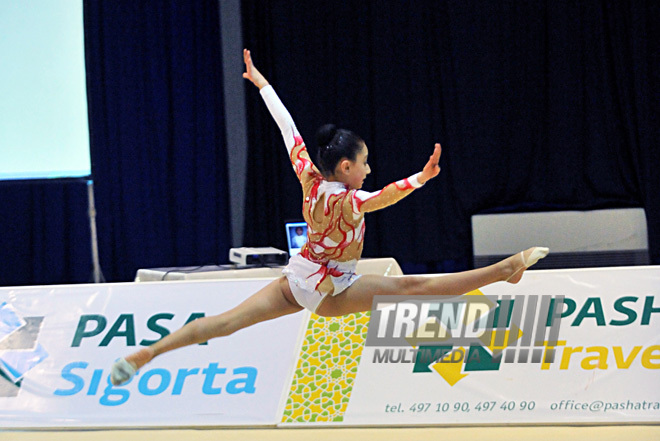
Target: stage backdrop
<point>539,105</point>
<point>156,121</point>
<point>154,74</point>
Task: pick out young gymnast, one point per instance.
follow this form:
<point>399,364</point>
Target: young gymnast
<point>322,276</point>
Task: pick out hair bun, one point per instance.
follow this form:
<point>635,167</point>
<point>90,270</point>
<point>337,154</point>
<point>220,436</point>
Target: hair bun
<point>325,134</point>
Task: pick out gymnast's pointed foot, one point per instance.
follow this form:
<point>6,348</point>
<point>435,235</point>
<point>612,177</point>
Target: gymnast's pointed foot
<point>122,371</point>
<point>518,263</point>
<point>125,368</point>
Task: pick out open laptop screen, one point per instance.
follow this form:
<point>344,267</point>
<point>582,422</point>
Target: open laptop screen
<point>296,236</point>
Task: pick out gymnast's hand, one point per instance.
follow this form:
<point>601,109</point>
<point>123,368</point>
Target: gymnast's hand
<point>251,72</point>
<point>431,169</point>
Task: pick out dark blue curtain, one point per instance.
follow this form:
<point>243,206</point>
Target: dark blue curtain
<point>44,232</point>
<point>157,133</point>
<point>543,105</point>
<point>154,80</point>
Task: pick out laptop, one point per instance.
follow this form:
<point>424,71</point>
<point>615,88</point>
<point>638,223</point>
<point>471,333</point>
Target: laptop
<point>296,236</point>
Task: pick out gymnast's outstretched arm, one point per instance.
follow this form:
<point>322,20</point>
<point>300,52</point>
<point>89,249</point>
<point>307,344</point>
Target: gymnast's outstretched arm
<point>295,146</point>
<point>364,201</point>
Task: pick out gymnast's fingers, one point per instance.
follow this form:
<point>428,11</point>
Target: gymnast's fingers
<point>437,151</point>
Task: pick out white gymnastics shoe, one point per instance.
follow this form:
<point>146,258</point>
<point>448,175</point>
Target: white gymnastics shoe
<point>537,254</point>
<point>122,371</point>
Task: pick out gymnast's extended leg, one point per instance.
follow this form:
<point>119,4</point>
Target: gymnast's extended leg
<point>359,296</point>
<point>272,301</point>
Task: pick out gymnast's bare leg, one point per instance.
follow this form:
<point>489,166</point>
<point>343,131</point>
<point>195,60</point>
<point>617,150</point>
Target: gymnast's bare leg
<point>276,300</point>
<point>272,301</point>
<point>359,296</point>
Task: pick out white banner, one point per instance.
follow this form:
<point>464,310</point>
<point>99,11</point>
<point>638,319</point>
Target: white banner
<point>606,366</point>
<point>57,345</point>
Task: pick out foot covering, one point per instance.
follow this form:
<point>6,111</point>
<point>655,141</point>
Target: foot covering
<point>122,371</point>
<point>537,254</point>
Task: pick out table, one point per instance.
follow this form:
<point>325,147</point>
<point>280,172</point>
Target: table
<point>385,266</point>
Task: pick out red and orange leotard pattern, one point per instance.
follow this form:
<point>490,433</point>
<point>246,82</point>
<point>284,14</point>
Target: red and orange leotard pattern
<point>335,217</point>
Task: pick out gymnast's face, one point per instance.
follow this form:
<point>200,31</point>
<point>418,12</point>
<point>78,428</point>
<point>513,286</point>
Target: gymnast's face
<point>353,173</point>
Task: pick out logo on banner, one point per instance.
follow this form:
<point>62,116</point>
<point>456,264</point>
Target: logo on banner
<point>19,350</point>
<point>471,333</point>
<point>82,377</point>
<point>474,332</point>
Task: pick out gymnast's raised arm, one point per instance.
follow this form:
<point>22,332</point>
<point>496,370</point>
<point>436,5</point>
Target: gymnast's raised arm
<point>302,163</point>
<point>275,106</point>
<point>371,201</point>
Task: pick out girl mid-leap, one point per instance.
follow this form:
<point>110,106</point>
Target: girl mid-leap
<point>322,277</point>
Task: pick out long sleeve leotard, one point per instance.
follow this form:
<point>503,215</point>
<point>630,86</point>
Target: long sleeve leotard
<point>334,213</point>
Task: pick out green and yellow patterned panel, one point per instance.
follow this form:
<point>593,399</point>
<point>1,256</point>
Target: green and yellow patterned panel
<point>326,369</point>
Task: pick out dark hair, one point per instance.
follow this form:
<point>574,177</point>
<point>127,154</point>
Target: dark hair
<point>335,144</point>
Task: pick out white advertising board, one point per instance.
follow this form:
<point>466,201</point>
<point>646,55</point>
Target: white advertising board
<point>57,345</point>
<point>606,366</point>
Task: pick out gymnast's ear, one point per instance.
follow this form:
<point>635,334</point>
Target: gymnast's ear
<point>345,166</point>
